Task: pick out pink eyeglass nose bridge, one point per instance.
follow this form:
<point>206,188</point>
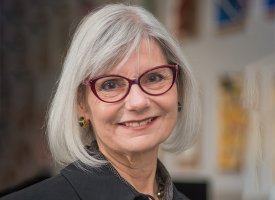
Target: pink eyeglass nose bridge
<point>134,81</point>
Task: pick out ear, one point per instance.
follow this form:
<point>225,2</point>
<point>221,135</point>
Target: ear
<point>83,110</point>
<point>82,107</point>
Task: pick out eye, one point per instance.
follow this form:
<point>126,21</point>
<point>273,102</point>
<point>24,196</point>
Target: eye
<point>111,84</point>
<point>154,77</point>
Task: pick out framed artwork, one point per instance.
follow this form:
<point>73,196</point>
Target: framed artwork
<point>184,18</point>
<point>230,14</point>
<point>270,7</point>
<point>187,24</point>
<point>232,120</point>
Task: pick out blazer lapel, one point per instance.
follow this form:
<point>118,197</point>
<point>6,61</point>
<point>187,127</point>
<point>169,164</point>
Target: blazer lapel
<point>98,184</point>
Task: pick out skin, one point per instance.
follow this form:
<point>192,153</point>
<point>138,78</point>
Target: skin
<point>133,150</point>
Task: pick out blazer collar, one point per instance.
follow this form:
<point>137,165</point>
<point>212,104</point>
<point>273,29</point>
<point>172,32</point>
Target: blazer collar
<point>100,184</point>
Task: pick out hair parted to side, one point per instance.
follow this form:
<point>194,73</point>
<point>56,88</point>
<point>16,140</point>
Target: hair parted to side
<point>105,38</point>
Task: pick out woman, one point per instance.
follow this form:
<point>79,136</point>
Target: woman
<point>125,90</point>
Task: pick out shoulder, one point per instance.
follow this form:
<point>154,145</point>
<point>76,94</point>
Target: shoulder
<point>100,183</point>
<point>53,188</point>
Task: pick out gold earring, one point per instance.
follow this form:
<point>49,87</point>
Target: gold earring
<point>84,123</point>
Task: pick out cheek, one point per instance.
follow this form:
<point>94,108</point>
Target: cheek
<point>95,110</point>
<point>172,106</point>
<point>169,106</point>
<point>101,114</point>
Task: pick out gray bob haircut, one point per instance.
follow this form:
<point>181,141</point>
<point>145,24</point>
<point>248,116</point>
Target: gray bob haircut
<point>105,38</point>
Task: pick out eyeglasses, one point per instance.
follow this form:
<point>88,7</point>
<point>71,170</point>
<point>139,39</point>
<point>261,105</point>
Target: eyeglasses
<point>113,88</point>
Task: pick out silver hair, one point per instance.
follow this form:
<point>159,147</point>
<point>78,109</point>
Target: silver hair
<point>105,38</point>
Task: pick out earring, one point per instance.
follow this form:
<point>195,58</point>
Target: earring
<point>179,107</point>
<point>84,123</point>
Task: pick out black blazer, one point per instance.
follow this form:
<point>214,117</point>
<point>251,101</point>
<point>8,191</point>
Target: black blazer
<point>74,183</point>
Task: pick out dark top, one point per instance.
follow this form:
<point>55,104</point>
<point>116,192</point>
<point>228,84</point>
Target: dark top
<point>77,181</point>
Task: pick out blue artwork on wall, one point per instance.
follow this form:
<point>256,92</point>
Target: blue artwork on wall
<point>230,12</point>
<point>270,6</point>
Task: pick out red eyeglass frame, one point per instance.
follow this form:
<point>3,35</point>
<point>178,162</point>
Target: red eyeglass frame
<point>91,82</point>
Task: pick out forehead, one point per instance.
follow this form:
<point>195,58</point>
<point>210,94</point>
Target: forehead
<point>147,55</point>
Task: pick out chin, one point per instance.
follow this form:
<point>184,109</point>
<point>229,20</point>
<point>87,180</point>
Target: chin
<point>139,146</point>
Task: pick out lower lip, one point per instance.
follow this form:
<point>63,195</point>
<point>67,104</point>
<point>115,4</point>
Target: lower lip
<point>140,127</point>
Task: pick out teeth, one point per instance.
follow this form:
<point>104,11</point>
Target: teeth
<point>136,124</point>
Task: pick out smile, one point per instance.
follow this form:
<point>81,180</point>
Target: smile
<point>138,123</point>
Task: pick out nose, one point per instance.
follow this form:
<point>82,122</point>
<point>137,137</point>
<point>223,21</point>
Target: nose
<point>136,100</point>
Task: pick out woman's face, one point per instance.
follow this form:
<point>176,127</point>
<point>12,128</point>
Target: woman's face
<point>126,126</point>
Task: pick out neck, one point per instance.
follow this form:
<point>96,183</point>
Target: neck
<point>138,169</point>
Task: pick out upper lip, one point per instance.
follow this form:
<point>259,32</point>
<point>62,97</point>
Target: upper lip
<point>140,120</point>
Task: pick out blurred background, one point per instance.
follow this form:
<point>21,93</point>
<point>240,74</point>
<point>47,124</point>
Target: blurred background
<point>230,45</point>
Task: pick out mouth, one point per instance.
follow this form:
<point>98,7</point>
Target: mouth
<point>138,123</point>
